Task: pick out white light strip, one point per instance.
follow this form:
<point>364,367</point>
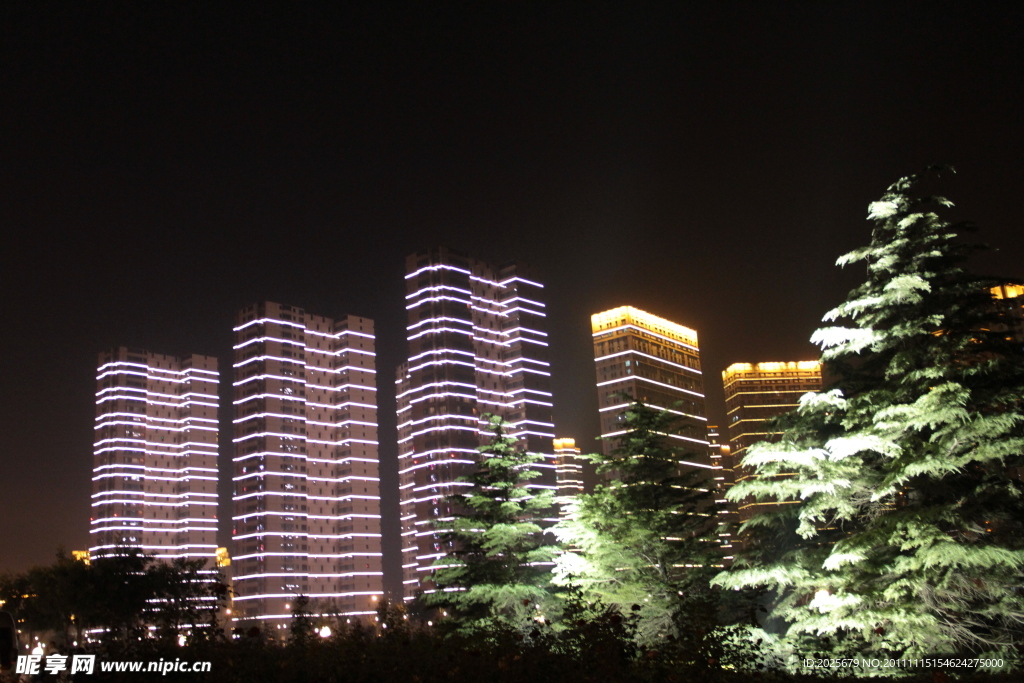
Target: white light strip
<point>647,355</point>
<point>645,331</point>
<point>261,321</point>
<point>627,378</point>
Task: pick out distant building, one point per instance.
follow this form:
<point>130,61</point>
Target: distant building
<point>154,484</point>
<point>755,393</point>
<point>227,608</point>
<point>477,346</point>
<point>721,462</point>
<point>640,356</point>
<point>1011,299</point>
<point>568,470</point>
<point>721,458</point>
<point>306,484</point>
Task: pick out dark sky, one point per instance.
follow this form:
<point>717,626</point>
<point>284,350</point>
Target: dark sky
<point>164,164</point>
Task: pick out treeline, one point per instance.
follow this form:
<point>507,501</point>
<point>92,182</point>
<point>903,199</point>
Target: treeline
<point>641,550</point>
<point>114,599</point>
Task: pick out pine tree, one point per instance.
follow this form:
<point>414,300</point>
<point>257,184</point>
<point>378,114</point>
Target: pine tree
<point>301,631</point>
<point>908,535</point>
<point>498,565</point>
<point>647,538</point>
<point>188,597</point>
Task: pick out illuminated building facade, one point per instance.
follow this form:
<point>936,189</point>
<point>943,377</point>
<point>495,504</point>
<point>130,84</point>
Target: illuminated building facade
<point>653,360</point>
<point>755,393</point>
<point>477,346</point>
<point>306,487</point>
<point>568,470</point>
<point>154,484</point>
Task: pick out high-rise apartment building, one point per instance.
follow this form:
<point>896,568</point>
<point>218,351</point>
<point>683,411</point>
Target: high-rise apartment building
<point>154,484</point>
<point>640,356</point>
<point>755,393</point>
<point>306,487</point>
<point>477,346</point>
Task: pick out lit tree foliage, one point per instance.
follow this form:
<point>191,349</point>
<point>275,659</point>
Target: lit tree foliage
<point>647,538</point>
<point>907,537</point>
<point>498,565</point>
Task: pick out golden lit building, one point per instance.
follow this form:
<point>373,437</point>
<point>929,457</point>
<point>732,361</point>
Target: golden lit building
<point>1011,299</point>
<point>754,394</point>
<point>653,360</point>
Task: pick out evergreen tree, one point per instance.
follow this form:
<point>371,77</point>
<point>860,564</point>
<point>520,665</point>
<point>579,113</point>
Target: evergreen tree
<point>647,538</point>
<point>301,631</point>
<point>127,576</point>
<point>54,598</point>
<point>907,537</point>
<point>498,565</point>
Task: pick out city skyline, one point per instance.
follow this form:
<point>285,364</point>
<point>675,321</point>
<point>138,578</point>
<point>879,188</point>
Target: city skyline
<point>290,377</point>
<point>165,167</point>
<point>287,363</point>
<point>272,350</point>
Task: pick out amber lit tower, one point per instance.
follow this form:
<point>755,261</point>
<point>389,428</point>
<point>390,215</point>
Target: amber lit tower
<point>1011,299</point>
<point>154,484</point>
<point>306,487</point>
<point>755,393</point>
<point>653,360</point>
<point>477,345</point>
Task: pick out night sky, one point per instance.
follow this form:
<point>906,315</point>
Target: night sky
<point>163,165</point>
